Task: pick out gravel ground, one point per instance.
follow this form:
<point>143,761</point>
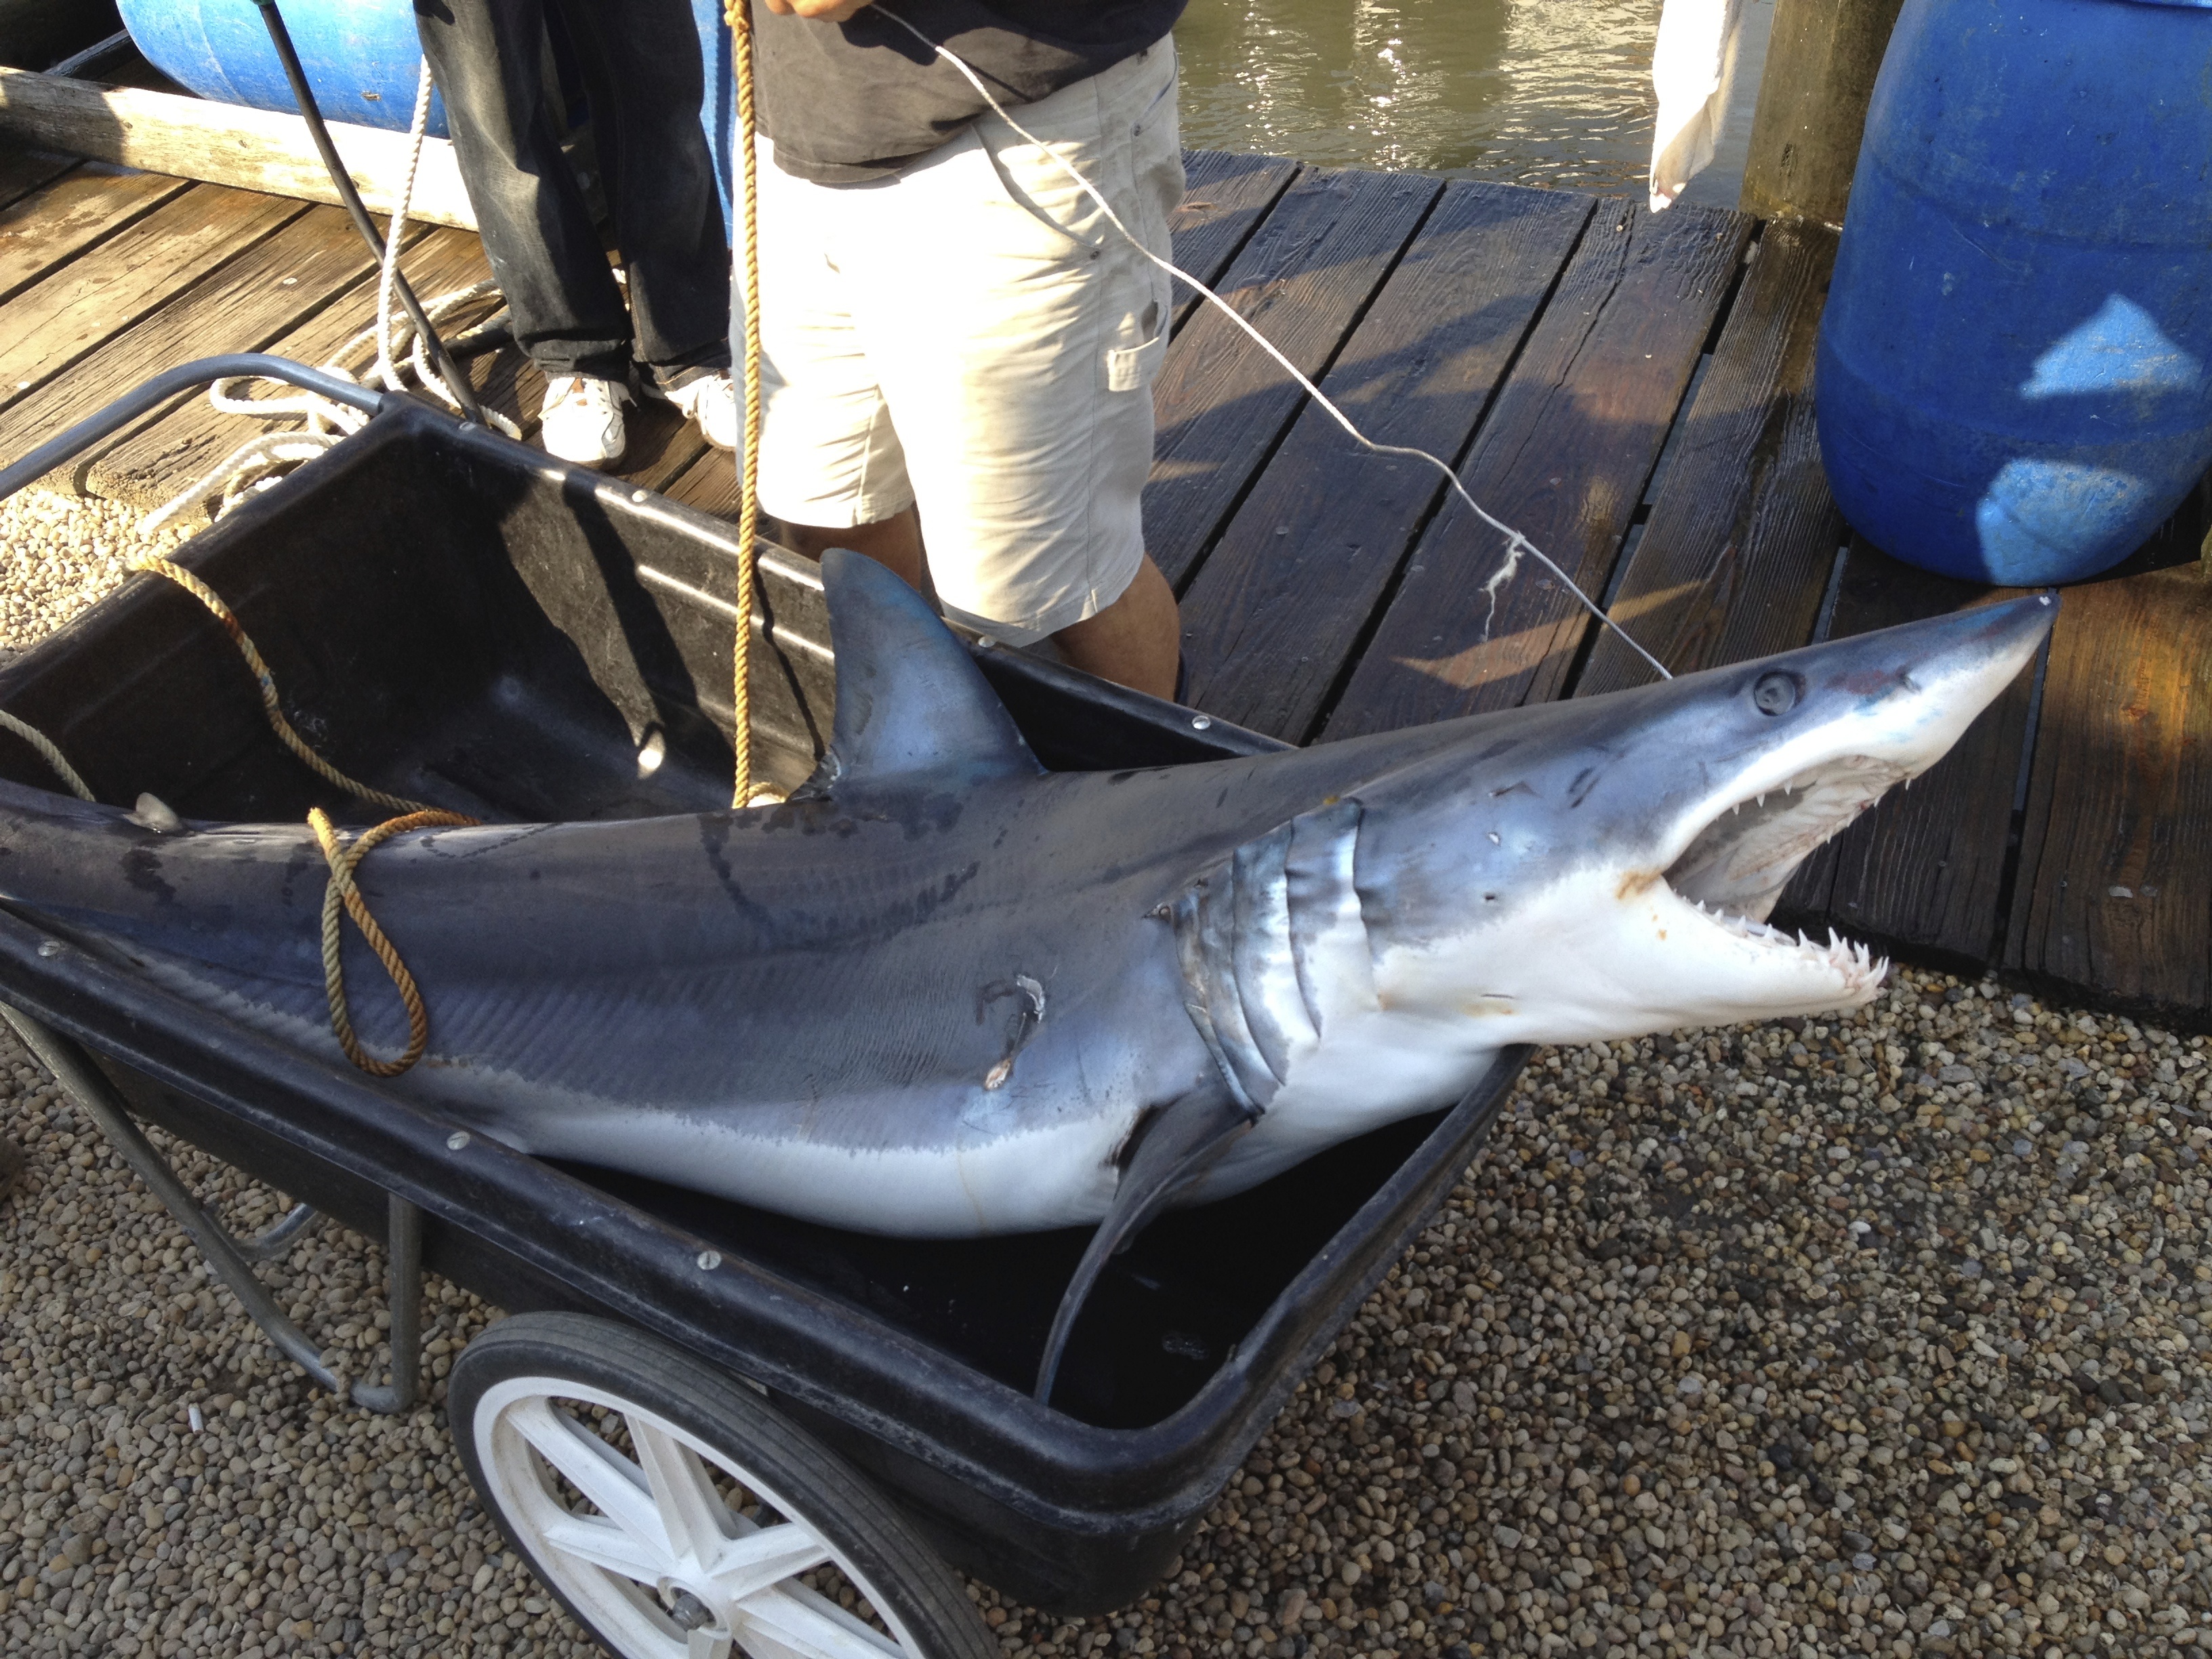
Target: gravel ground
<point>1877,1336</point>
<point>63,552</point>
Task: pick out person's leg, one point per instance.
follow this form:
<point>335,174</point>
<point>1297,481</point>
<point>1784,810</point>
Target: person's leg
<point>537,229</point>
<point>660,181</point>
<point>1135,641</point>
<point>832,468</point>
<point>894,543</point>
<point>1015,332</point>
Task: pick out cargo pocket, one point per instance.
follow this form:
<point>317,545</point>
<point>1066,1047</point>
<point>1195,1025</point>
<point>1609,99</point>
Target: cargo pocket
<point>1131,368</point>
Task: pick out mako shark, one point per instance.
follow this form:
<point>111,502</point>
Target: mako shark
<point>941,991</point>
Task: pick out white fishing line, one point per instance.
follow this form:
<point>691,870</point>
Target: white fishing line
<point>1516,545</point>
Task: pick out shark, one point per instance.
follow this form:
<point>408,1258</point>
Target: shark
<point>941,991</point>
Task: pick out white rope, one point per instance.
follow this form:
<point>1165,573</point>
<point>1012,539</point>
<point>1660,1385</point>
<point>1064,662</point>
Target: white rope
<point>253,462</point>
<point>1516,545</point>
<point>259,463</point>
<point>395,228</point>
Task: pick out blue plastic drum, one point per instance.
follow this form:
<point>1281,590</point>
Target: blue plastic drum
<point>2012,384</point>
<point>361,56</point>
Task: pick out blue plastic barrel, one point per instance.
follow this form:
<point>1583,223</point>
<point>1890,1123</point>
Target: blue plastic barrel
<point>2012,383</point>
<point>361,56</point>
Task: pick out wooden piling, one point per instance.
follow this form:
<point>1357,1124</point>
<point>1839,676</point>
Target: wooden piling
<point>1820,69</point>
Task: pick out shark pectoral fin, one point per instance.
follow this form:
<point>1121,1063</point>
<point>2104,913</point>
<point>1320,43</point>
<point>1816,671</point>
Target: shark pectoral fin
<point>1174,1147</point>
<point>911,703</point>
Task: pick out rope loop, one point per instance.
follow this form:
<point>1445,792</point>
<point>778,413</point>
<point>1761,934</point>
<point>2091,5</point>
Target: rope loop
<point>343,894</point>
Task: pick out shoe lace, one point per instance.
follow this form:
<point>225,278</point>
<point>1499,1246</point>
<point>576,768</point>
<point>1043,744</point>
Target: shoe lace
<point>584,391</point>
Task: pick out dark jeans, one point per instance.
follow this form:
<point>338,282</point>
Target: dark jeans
<point>646,84</point>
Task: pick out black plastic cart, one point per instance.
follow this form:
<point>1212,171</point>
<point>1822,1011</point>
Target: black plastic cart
<point>697,1402</point>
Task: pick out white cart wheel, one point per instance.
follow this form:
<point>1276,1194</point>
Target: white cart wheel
<point>678,1515</point>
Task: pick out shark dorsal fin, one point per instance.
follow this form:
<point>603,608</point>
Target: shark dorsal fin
<point>911,703</point>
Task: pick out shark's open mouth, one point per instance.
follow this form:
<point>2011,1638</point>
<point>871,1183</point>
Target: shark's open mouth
<point>1735,867</point>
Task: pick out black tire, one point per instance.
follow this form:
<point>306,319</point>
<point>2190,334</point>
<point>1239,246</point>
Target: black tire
<point>608,1366</point>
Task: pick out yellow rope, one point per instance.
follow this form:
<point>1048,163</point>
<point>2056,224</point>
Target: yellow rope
<point>292,740</point>
<point>740,14</point>
<point>341,891</point>
<point>50,751</point>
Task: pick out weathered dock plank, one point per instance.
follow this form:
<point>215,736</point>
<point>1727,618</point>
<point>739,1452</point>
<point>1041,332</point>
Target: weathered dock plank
<point>709,484</point>
<point>1226,198</point>
<point>1279,604</point>
<point>53,224</point>
<point>150,463</point>
<point>1563,457</point>
<point>1221,402</point>
<point>663,446</point>
<point>243,307</point>
<point>1736,556</point>
<point>23,170</point>
<point>65,314</point>
<point>2114,891</point>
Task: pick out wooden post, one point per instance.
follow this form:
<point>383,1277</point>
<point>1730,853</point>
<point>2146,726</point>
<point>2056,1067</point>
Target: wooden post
<point>1820,67</point>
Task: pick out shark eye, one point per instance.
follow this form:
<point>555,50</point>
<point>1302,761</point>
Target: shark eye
<point>1775,693</point>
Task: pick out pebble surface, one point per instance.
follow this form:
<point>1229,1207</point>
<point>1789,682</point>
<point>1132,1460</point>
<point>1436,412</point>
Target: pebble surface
<point>1877,1335</point>
<point>62,553</point>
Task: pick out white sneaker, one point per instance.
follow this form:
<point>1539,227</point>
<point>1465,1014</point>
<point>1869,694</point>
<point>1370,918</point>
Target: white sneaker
<point>710,398</point>
<point>583,419</point>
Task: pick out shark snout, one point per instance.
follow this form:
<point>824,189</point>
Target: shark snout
<point>1944,670</point>
<point>1847,721</point>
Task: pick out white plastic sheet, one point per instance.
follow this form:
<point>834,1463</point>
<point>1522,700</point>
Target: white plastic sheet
<point>1692,70</point>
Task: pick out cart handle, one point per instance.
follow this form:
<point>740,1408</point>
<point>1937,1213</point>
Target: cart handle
<point>150,394</point>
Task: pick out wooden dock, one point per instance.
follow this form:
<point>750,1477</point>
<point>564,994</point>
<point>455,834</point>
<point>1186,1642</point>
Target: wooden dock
<point>1631,390</point>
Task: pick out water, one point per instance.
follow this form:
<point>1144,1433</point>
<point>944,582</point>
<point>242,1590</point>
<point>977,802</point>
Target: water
<point>1536,92</point>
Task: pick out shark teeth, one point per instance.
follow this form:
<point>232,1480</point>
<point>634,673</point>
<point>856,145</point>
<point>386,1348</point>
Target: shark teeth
<point>1852,960</point>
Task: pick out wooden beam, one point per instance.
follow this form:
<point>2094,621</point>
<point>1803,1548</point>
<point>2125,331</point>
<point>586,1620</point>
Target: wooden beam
<point>226,145</point>
<point>1822,61</point>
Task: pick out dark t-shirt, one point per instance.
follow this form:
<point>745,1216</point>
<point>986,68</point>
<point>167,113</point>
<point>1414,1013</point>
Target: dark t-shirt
<point>847,102</point>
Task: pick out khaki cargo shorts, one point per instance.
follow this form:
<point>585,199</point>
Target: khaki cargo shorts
<point>972,336</point>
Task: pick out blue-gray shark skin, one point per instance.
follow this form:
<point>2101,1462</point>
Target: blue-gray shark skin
<point>941,990</point>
